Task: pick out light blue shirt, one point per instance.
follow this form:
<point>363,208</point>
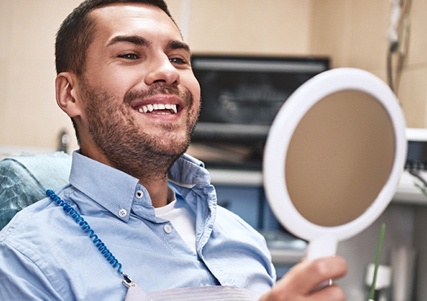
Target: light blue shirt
<point>45,254</point>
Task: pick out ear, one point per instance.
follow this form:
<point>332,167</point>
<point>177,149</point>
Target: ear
<point>66,94</point>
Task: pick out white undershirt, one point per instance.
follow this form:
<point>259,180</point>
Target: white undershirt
<point>183,222</point>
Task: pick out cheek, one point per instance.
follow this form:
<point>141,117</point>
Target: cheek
<point>114,81</point>
<point>116,86</point>
<point>194,88</point>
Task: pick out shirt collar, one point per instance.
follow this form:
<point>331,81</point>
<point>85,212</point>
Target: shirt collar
<point>111,188</point>
<point>188,172</point>
<point>115,190</point>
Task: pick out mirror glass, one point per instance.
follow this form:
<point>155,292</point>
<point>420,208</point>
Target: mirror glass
<point>339,158</point>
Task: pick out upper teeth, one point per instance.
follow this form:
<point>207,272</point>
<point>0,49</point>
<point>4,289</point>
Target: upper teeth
<point>160,106</point>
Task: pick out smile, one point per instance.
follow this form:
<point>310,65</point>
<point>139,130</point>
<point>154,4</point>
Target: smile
<point>161,108</point>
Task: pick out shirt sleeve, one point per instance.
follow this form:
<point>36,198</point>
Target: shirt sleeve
<point>21,278</point>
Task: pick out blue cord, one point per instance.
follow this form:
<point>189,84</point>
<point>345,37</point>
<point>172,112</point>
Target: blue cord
<point>85,227</point>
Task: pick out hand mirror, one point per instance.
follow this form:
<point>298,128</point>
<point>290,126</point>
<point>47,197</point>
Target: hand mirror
<point>334,156</point>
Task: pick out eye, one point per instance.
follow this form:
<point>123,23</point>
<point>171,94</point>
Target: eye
<point>129,56</point>
<point>177,60</point>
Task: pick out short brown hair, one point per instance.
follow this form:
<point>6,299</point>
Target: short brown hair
<point>77,30</point>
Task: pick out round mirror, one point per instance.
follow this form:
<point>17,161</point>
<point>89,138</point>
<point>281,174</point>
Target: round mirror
<point>334,156</point>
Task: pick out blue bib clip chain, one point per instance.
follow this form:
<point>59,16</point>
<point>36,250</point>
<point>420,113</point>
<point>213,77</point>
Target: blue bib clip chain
<point>95,239</point>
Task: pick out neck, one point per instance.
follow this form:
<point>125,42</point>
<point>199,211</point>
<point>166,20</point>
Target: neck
<point>159,193</point>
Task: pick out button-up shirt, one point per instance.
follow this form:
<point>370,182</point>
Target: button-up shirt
<point>46,255</point>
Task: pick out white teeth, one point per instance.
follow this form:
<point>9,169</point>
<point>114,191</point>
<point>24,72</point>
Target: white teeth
<point>153,107</point>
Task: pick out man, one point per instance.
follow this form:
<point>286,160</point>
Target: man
<point>125,79</point>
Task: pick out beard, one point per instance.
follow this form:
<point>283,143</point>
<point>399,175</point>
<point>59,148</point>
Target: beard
<point>114,128</point>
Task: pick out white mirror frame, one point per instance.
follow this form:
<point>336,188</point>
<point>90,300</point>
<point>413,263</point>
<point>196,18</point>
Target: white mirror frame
<point>323,240</point>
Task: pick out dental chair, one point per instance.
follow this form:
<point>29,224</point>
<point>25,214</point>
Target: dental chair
<point>24,180</point>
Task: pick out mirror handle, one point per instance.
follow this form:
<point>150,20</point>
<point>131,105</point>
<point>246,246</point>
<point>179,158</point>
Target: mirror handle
<point>322,246</point>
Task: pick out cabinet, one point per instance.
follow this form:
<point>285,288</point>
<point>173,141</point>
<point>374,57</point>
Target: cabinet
<point>245,201</point>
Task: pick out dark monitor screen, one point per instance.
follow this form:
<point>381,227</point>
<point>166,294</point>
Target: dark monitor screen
<point>416,155</point>
<point>240,97</point>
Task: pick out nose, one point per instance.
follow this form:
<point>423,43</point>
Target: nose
<point>162,70</point>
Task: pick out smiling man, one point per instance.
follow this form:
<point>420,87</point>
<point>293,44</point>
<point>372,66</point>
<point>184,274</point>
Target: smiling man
<point>136,204</point>
<point>136,65</point>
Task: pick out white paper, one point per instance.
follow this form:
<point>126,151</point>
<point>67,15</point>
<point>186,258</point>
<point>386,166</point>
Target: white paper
<point>208,293</point>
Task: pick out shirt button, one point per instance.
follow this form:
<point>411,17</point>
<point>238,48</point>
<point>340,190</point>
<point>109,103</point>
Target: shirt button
<point>139,194</point>
<point>123,213</point>
<point>167,228</point>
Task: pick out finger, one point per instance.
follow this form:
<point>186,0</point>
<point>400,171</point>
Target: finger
<point>329,293</point>
<point>323,270</point>
<point>310,274</point>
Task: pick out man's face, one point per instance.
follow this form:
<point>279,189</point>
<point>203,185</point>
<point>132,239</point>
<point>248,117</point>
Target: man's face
<point>139,95</point>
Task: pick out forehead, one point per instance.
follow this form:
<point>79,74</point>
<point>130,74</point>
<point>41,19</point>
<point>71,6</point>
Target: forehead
<point>135,19</point>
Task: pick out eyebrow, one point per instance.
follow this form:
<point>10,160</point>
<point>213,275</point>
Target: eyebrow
<point>140,41</point>
<point>137,40</point>
<point>179,45</point>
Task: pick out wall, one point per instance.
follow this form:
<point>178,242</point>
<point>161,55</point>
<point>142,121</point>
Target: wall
<point>224,26</point>
<point>29,115</point>
<point>355,34</point>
